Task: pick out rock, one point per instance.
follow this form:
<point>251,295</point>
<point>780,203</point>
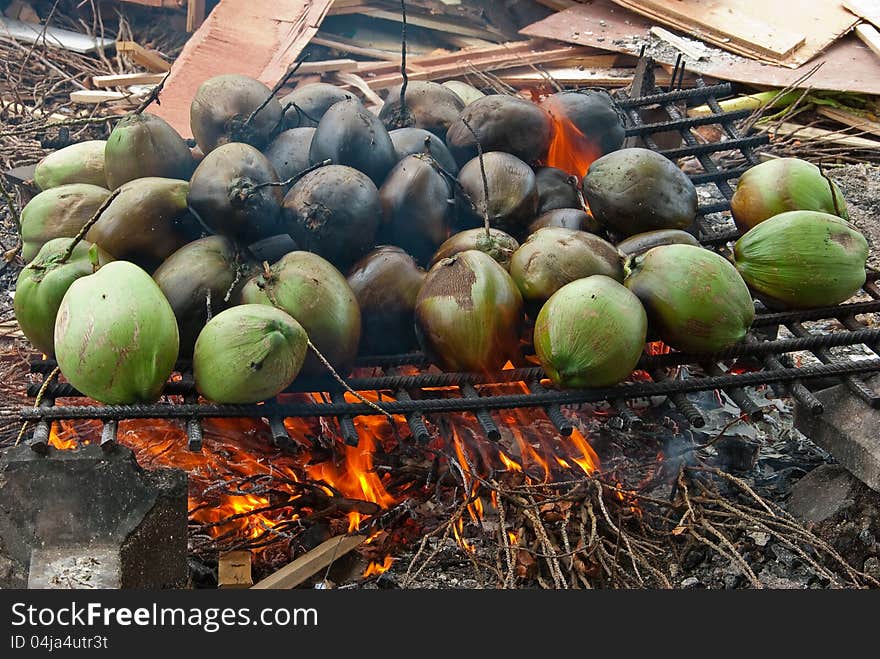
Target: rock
<point>823,493</point>
<point>872,567</point>
<point>691,582</point>
<point>847,430</point>
<point>128,524</point>
<point>784,556</point>
<point>761,538</point>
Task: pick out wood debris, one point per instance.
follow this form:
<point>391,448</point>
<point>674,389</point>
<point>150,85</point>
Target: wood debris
<point>309,564</point>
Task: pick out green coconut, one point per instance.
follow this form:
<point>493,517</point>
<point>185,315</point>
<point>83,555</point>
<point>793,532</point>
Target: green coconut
<point>201,278</point>
<point>58,212</point>
<point>116,336</point>
<point>147,221</point>
<point>496,243</point>
<point>248,354</point>
<point>316,294</point>
<point>469,313</point>
<point>781,185</point>
<point>635,190</point>
<point>467,93</point>
<point>590,333</point>
<point>802,259</point>
<point>642,242</point>
<point>695,299</point>
<point>552,257</point>
<point>78,163</point>
<point>143,145</point>
<point>43,283</point>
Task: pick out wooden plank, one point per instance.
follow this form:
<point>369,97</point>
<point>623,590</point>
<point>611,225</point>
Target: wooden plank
<point>754,29</point>
<point>166,4</point>
<point>869,10</point>
<point>846,66</point>
<point>678,43</point>
<point>125,79</point>
<point>195,14</point>
<point>869,36</point>
<point>850,119</point>
<point>94,96</point>
<point>730,20</point>
<point>328,66</point>
<point>811,133</point>
<point>438,24</point>
<point>234,570</point>
<point>610,77</point>
<point>149,59</point>
<point>499,59</point>
<point>360,84</point>
<point>261,41</point>
<point>310,563</point>
<point>347,45</point>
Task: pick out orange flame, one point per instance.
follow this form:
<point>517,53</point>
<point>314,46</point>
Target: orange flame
<point>375,569</point>
<point>588,460</point>
<point>571,150</point>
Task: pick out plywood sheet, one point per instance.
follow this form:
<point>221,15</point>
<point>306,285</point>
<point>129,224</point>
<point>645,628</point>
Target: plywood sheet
<point>847,65</point>
<point>770,30</point>
<point>259,38</point>
<point>728,24</point>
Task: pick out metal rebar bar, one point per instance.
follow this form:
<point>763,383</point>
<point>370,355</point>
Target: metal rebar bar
<point>39,441</point>
<point>194,434</point>
<point>627,391</point>
<point>824,355</point>
<point>396,382</point>
<point>346,422</point>
<point>737,395</point>
<point>109,432</point>
<point>629,419</point>
<point>796,388</point>
<point>736,144</point>
<point>414,420</point>
<point>487,423</point>
<point>280,435</point>
<point>693,415</point>
<point>693,94</point>
<point>681,123</point>
<point>554,412</point>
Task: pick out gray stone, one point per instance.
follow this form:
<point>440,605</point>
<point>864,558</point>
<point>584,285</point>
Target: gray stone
<point>822,494</point>
<point>82,503</point>
<point>847,430</point>
<point>691,582</point>
<point>872,567</point>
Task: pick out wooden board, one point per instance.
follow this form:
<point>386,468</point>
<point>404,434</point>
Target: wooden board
<point>234,570</point>
<point>261,41</point>
<point>124,79</point>
<point>728,24</point>
<point>869,36</point>
<point>310,563</point>
<point>849,119</point>
<point>847,65</point>
<point>866,9</point>
<point>504,56</point>
<point>768,30</point>
<point>149,59</point>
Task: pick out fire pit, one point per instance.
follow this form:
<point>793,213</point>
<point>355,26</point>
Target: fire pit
<point>275,478</point>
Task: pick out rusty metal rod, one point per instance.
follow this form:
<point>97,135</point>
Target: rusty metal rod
<point>627,391</point>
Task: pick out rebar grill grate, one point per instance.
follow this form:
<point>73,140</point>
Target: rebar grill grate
<point>417,395</point>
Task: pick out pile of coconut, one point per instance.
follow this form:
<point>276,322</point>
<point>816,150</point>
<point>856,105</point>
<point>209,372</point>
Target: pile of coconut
<point>434,224</point>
